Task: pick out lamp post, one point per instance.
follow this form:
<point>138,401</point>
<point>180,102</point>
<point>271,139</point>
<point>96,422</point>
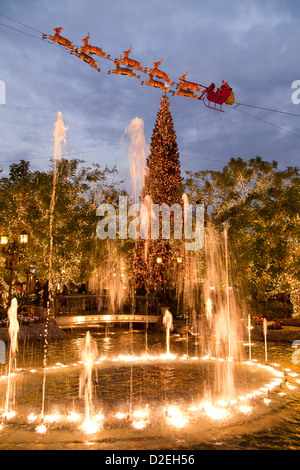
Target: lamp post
<point>12,250</point>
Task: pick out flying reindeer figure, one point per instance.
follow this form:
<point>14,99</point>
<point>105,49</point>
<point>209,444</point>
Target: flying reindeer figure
<point>155,83</point>
<point>123,70</point>
<point>89,49</point>
<point>187,93</point>
<point>185,85</point>
<point>159,73</point>
<point>130,62</point>
<point>60,39</point>
<point>87,58</point>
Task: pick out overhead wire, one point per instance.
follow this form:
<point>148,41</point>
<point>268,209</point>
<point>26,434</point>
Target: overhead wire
<point>109,149</point>
<point>267,122</point>
<point>226,135</point>
<point>265,109</point>
<point>20,31</point>
<point>23,24</point>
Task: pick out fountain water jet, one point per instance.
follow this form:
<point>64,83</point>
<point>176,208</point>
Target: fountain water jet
<point>137,154</point>
<point>168,322</point>
<point>89,354</point>
<point>13,331</point>
<point>223,312</point>
<point>209,311</point>
<point>249,334</point>
<point>59,138</point>
<point>227,289</point>
<point>265,330</point>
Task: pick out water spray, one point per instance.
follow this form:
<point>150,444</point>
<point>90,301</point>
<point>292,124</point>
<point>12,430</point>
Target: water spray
<point>265,330</point>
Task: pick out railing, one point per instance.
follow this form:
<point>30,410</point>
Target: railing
<point>91,304</point>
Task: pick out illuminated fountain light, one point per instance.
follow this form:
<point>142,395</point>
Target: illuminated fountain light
<point>120,415</point>
<point>32,417</point>
<point>222,402</point>
<point>99,417</point>
<point>175,417</point>
<point>141,414</point>
<point>246,409</point>
<point>290,386</point>
<point>73,416</point>
<point>90,427</point>
<point>41,429</point>
<point>139,424</point>
<point>53,418</point>
<point>140,418</point>
<point>167,356</point>
<point>216,413</point>
<point>8,415</point>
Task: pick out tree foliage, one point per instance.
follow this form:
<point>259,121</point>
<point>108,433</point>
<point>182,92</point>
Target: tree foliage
<point>261,205</point>
<point>25,206</point>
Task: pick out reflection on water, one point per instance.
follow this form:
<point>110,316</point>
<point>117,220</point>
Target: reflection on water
<point>131,392</point>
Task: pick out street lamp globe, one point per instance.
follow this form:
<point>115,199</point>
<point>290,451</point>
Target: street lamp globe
<point>3,240</point>
<point>23,238</point>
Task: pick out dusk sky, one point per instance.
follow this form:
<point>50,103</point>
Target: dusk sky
<point>253,45</point>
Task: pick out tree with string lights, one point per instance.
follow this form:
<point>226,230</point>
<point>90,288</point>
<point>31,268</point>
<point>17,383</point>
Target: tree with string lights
<point>163,181</point>
<point>155,262</point>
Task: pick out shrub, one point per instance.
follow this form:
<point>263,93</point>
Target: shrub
<point>272,310</point>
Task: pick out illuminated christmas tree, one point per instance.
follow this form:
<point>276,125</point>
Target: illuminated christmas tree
<point>156,262</point>
<point>163,180</point>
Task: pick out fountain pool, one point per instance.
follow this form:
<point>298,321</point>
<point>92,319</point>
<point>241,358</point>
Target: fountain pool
<point>148,401</point>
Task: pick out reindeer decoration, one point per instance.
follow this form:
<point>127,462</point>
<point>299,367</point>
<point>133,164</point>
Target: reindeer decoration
<point>61,40</point>
<point>187,93</point>
<point>159,73</point>
<point>185,85</point>
<point>155,83</point>
<point>211,98</point>
<point>130,62</point>
<point>87,58</point>
<point>123,70</point>
<point>89,49</point>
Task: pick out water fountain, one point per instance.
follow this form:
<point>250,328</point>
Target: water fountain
<point>265,331</point>
<point>13,330</point>
<point>137,155</point>
<point>89,355</point>
<point>148,398</point>
<point>168,322</point>
<point>59,139</point>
